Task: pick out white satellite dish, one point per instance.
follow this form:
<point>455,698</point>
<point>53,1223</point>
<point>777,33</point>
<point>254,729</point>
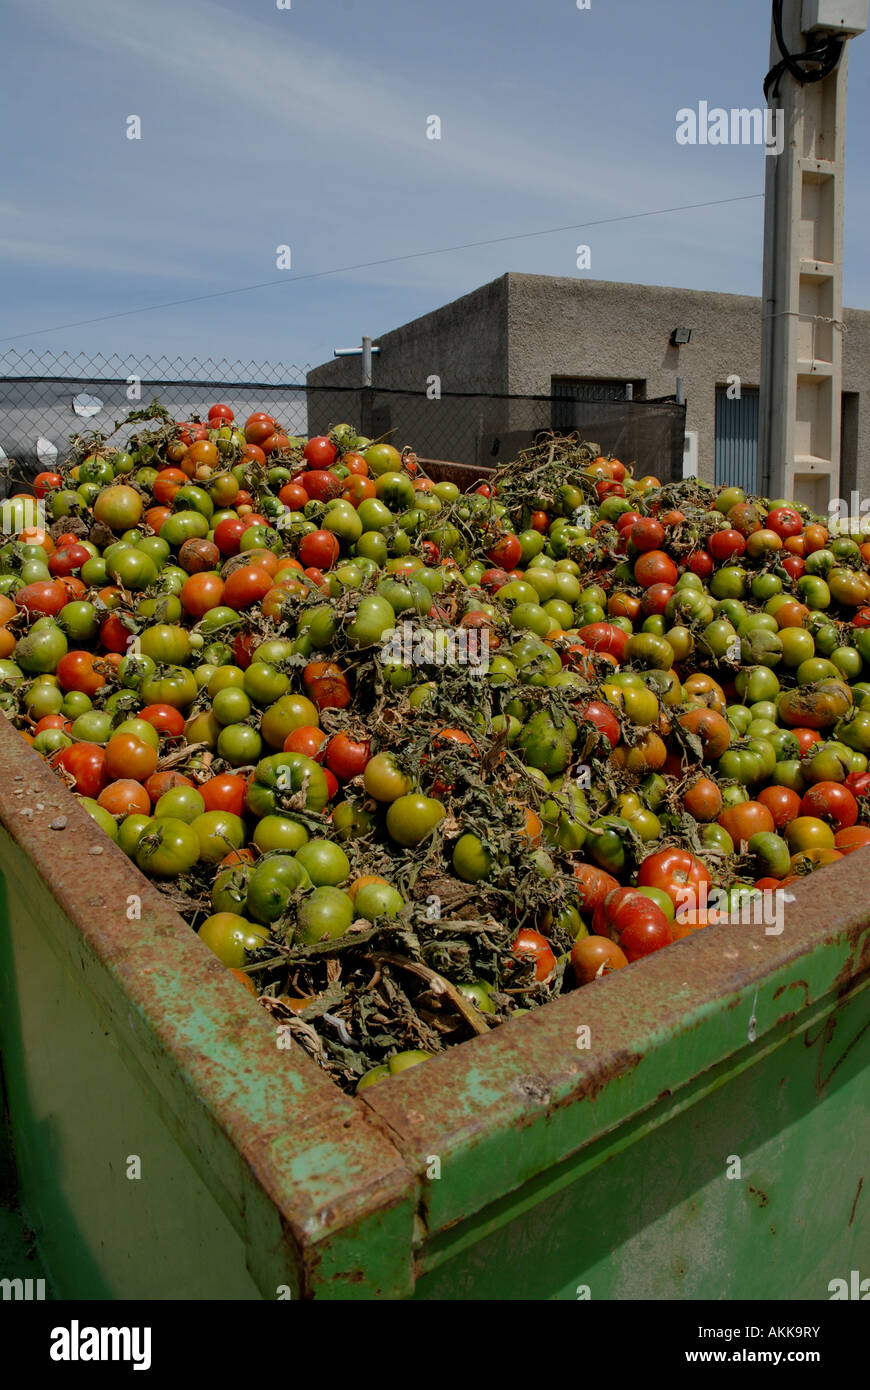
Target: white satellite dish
<point>46,452</point>
<point>86,405</point>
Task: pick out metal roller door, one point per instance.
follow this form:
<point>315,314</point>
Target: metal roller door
<point>737,439</point>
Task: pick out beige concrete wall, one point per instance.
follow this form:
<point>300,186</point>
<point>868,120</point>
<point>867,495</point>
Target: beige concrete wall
<point>518,332</point>
<point>464,343</point>
<point>577,327</point>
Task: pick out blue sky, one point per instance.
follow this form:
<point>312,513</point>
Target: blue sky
<point>307,127</point>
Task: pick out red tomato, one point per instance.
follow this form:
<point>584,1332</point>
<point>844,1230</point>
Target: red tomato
<point>531,944</point>
<point>782,803</point>
<point>115,636</point>
<point>346,757</point>
<point>319,549</point>
<point>258,427</point>
<point>655,567</point>
<point>220,414</point>
<point>308,740</point>
<point>678,873</point>
<point>604,637</point>
<point>321,485</point>
<point>52,721</point>
<point>506,552</point>
<point>164,718</point>
<point>593,885</point>
<point>75,671</point>
<point>851,838</point>
<point>44,481</point>
<point>273,442</point>
<point>831,802</point>
<point>746,819</point>
<point>167,483</point>
<point>722,545</point>
<point>320,451</point>
<point>86,762</point>
<point>228,535</point>
<point>160,782</point>
<point>639,927</point>
<point>647,534</point>
<point>785,521</point>
<point>46,597</point>
<point>294,496</point>
<point>655,599</point>
<point>858,783</point>
<point>245,586</point>
<point>226,792</point>
<point>594,956</point>
<point>243,649</point>
<point>701,563</point>
<point>793,565</point>
<point>494,579</point>
<point>602,716</point>
<point>355,464</point>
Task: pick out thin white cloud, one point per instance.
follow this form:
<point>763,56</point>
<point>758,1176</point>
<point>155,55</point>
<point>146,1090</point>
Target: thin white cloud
<point>67,255</point>
<point>313,96</point>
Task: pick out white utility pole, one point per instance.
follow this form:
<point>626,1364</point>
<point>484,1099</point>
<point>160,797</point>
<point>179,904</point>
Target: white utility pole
<point>802,340</point>
<point>365,352</point>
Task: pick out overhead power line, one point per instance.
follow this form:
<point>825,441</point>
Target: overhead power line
<point>369,265</point>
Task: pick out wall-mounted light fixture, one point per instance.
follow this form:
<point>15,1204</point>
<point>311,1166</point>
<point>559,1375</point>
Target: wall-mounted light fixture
<point>681,335</point>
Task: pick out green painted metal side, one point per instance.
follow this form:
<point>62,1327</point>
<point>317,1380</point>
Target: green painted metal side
<point>760,1189</point>
<point>81,1123</point>
<point>588,1144</point>
<point>126,1038</point>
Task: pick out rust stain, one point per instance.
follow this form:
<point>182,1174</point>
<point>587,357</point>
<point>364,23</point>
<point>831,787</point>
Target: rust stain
<point>763,1199</point>
<point>795,984</point>
<point>855,1203</point>
<point>824,1038</point>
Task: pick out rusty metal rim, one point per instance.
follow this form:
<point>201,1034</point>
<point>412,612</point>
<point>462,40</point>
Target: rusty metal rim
<point>519,1071</point>
<point>526,1074</point>
<point>271,1105</point>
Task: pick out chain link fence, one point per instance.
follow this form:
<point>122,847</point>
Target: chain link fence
<point>46,399</point>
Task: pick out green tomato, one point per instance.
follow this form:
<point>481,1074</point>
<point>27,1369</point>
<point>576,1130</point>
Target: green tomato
<point>184,526</point>
<point>94,726</point>
<point>172,685</point>
<point>79,620</point>
<point>375,900</point>
<point>272,885</point>
<point>280,833</point>
<point>130,832</point>
<point>325,914</point>
<point>326,863</point>
<point>471,860</point>
<point>232,938</point>
<point>42,648</point>
<point>238,744</point>
<point>412,818</point>
<point>181,803</point>
<point>166,643</point>
<point>217,833</point>
<point>168,849</point>
<point>131,568</point>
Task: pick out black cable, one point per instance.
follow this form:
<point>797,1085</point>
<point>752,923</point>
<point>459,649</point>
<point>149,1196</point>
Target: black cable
<point>826,55</point>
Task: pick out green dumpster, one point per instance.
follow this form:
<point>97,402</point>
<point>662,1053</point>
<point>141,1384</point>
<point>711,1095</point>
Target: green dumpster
<point>694,1127</point>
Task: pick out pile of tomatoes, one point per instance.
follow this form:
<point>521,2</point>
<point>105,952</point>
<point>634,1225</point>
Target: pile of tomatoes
<point>670,720</point>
